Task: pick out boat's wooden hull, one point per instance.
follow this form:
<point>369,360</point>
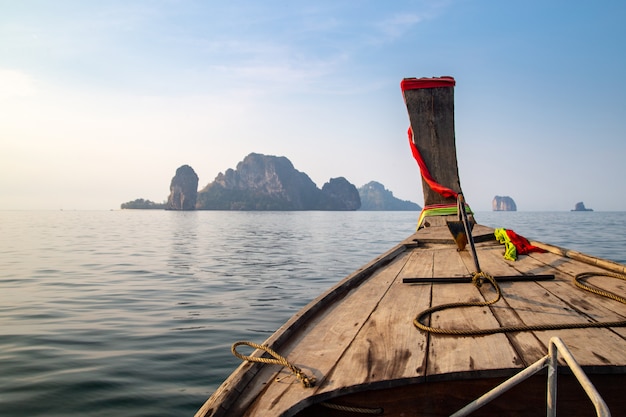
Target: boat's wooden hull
<point>359,341</point>
<point>442,398</point>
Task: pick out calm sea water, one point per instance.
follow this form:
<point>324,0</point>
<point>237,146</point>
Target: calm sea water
<point>132,313</point>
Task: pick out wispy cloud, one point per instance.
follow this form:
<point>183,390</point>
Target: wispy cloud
<point>397,25</point>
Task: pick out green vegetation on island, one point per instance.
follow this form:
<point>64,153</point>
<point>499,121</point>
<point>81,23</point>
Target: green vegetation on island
<point>141,204</point>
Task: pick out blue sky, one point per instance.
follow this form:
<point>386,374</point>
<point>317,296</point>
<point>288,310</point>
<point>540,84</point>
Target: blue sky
<point>100,102</point>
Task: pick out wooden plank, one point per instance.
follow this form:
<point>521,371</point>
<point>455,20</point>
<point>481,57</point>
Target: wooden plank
<point>420,263</point>
<point>450,354</point>
<point>389,347</point>
<point>325,338</point>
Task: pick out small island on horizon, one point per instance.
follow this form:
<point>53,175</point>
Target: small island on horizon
<point>580,206</point>
<point>503,203</point>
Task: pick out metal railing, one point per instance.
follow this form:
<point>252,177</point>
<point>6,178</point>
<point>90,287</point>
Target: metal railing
<point>551,362</point>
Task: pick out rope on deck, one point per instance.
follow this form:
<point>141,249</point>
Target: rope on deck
<point>308,382</point>
<point>578,282</point>
<point>479,277</point>
<point>277,359</point>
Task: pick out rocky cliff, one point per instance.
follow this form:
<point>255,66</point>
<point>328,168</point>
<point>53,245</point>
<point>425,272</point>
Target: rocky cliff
<point>262,182</point>
<point>503,203</point>
<point>183,190</point>
<point>340,194</point>
<point>374,196</point>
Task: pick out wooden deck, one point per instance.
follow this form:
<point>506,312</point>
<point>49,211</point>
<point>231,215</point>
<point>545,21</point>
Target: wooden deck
<point>368,340</point>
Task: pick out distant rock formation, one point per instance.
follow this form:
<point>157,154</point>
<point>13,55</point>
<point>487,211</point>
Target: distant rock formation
<point>141,204</point>
<point>183,190</point>
<point>374,196</point>
<point>340,194</point>
<point>581,207</point>
<point>503,203</point>
<point>262,182</point>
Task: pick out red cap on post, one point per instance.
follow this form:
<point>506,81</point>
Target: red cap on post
<point>417,83</point>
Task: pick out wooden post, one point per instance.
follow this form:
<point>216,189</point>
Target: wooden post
<point>430,103</point>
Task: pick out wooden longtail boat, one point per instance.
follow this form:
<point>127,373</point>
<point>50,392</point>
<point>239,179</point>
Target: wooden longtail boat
<point>412,333</point>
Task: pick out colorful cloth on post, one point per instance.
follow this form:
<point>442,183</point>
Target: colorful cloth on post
<point>514,244</point>
<point>440,210</point>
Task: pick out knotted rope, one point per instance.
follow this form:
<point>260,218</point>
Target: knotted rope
<point>307,381</point>
<point>479,278</point>
<point>277,359</point>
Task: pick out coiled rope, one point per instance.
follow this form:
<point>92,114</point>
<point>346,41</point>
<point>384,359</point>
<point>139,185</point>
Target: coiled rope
<point>277,359</point>
<point>307,381</point>
<point>480,277</point>
<point>583,286</point>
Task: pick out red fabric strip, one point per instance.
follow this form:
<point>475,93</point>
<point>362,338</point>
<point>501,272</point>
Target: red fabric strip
<point>417,83</point>
<point>522,245</point>
<point>435,186</point>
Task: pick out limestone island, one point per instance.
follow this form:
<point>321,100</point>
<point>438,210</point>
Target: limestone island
<point>581,207</point>
<point>503,203</point>
<point>266,182</point>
